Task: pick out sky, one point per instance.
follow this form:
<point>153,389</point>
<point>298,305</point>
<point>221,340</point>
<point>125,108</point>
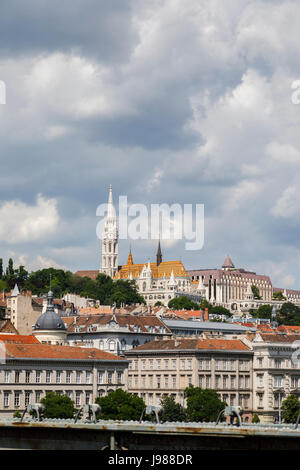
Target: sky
<point>168,101</point>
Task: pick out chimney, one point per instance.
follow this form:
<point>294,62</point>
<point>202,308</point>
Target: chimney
<point>205,315</point>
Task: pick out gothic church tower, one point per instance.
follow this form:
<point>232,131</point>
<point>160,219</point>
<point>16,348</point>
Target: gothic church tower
<point>109,264</point>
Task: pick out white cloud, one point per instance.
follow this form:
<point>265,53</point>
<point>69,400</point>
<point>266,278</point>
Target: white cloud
<point>288,204</point>
<point>24,223</point>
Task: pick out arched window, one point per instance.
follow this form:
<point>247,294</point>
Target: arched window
<point>111,345</point>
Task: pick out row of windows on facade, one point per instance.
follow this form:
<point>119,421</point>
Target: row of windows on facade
<point>230,399</point>
<point>21,398</point>
<point>284,363</point>
<point>204,381</point>
<point>50,376</point>
<point>186,364</point>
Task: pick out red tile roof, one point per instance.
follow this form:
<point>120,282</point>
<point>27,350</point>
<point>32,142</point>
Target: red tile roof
<point>279,338</point>
<point>196,344</point>
<point>19,339</point>
<point>47,351</point>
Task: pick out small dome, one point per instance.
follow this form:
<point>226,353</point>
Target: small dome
<point>49,320</point>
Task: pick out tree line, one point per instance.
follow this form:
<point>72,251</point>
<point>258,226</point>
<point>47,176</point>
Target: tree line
<point>103,288</point>
<point>202,405</point>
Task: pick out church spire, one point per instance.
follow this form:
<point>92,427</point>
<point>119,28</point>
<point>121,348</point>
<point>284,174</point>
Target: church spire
<point>158,254</point>
<point>130,259</point>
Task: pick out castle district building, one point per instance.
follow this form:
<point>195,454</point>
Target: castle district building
<point>167,367</point>
<point>31,370</point>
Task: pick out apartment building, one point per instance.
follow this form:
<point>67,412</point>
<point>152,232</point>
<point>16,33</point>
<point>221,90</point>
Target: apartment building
<point>167,367</point>
<point>31,370</point>
<point>276,372</point>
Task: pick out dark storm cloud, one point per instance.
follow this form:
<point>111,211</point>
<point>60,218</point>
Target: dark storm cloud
<point>98,28</point>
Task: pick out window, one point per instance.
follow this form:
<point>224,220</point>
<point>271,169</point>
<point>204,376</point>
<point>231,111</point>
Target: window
<point>189,364</point>
<point>232,381</point>
<point>119,377</point>
<point>277,363</point>
<point>17,376</point>
<point>17,399</point>
<point>189,380</point>
<point>87,398</point>
<point>151,364</point>
<point>217,381</point>
<point>158,381</point>
<point>232,400</point>
<point>207,381</point>
<point>68,377</point>
<point>158,363</point>
<point>88,377</point>
<point>37,396</point>
<point>278,381</point>
<point>143,381</point>
<point>6,398</point>
<point>7,376</point>
<point>48,376</point>
<point>294,382</point>
<point>111,345</point>
<point>27,376</point>
<point>27,398</point>
<point>166,381</point>
<point>260,379</point>
<point>78,377</point>
<point>247,381</point>
<point>201,381</point>
<point>109,377</point>
<point>182,364</point>
<point>38,377</point>
<point>101,344</point>
<point>173,381</point>
<point>100,377</point>
<point>143,364</point>
<point>174,364</point>
<point>217,364</point>
<point>78,398</point>
<point>225,381</point>
<point>200,364</point>
<point>58,377</point>
<point>166,364</point>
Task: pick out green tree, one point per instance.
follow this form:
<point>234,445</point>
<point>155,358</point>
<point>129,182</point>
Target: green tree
<point>289,314</point>
<point>255,419</point>
<point>179,303</point>
<point>120,405</point>
<point>290,409</point>
<point>278,296</point>
<point>158,304</point>
<point>1,268</point>
<point>255,292</point>
<point>219,310</point>
<point>171,411</point>
<point>58,406</point>
<point>203,405</point>
<point>263,311</point>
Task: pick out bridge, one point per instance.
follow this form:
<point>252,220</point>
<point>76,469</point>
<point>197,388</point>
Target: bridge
<point>59,434</point>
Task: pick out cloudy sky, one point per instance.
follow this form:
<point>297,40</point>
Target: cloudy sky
<point>169,101</point>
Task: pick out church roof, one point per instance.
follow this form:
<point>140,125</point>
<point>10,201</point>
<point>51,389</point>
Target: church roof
<point>165,268</point>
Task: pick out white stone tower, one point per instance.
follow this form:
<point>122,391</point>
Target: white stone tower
<point>109,264</point>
